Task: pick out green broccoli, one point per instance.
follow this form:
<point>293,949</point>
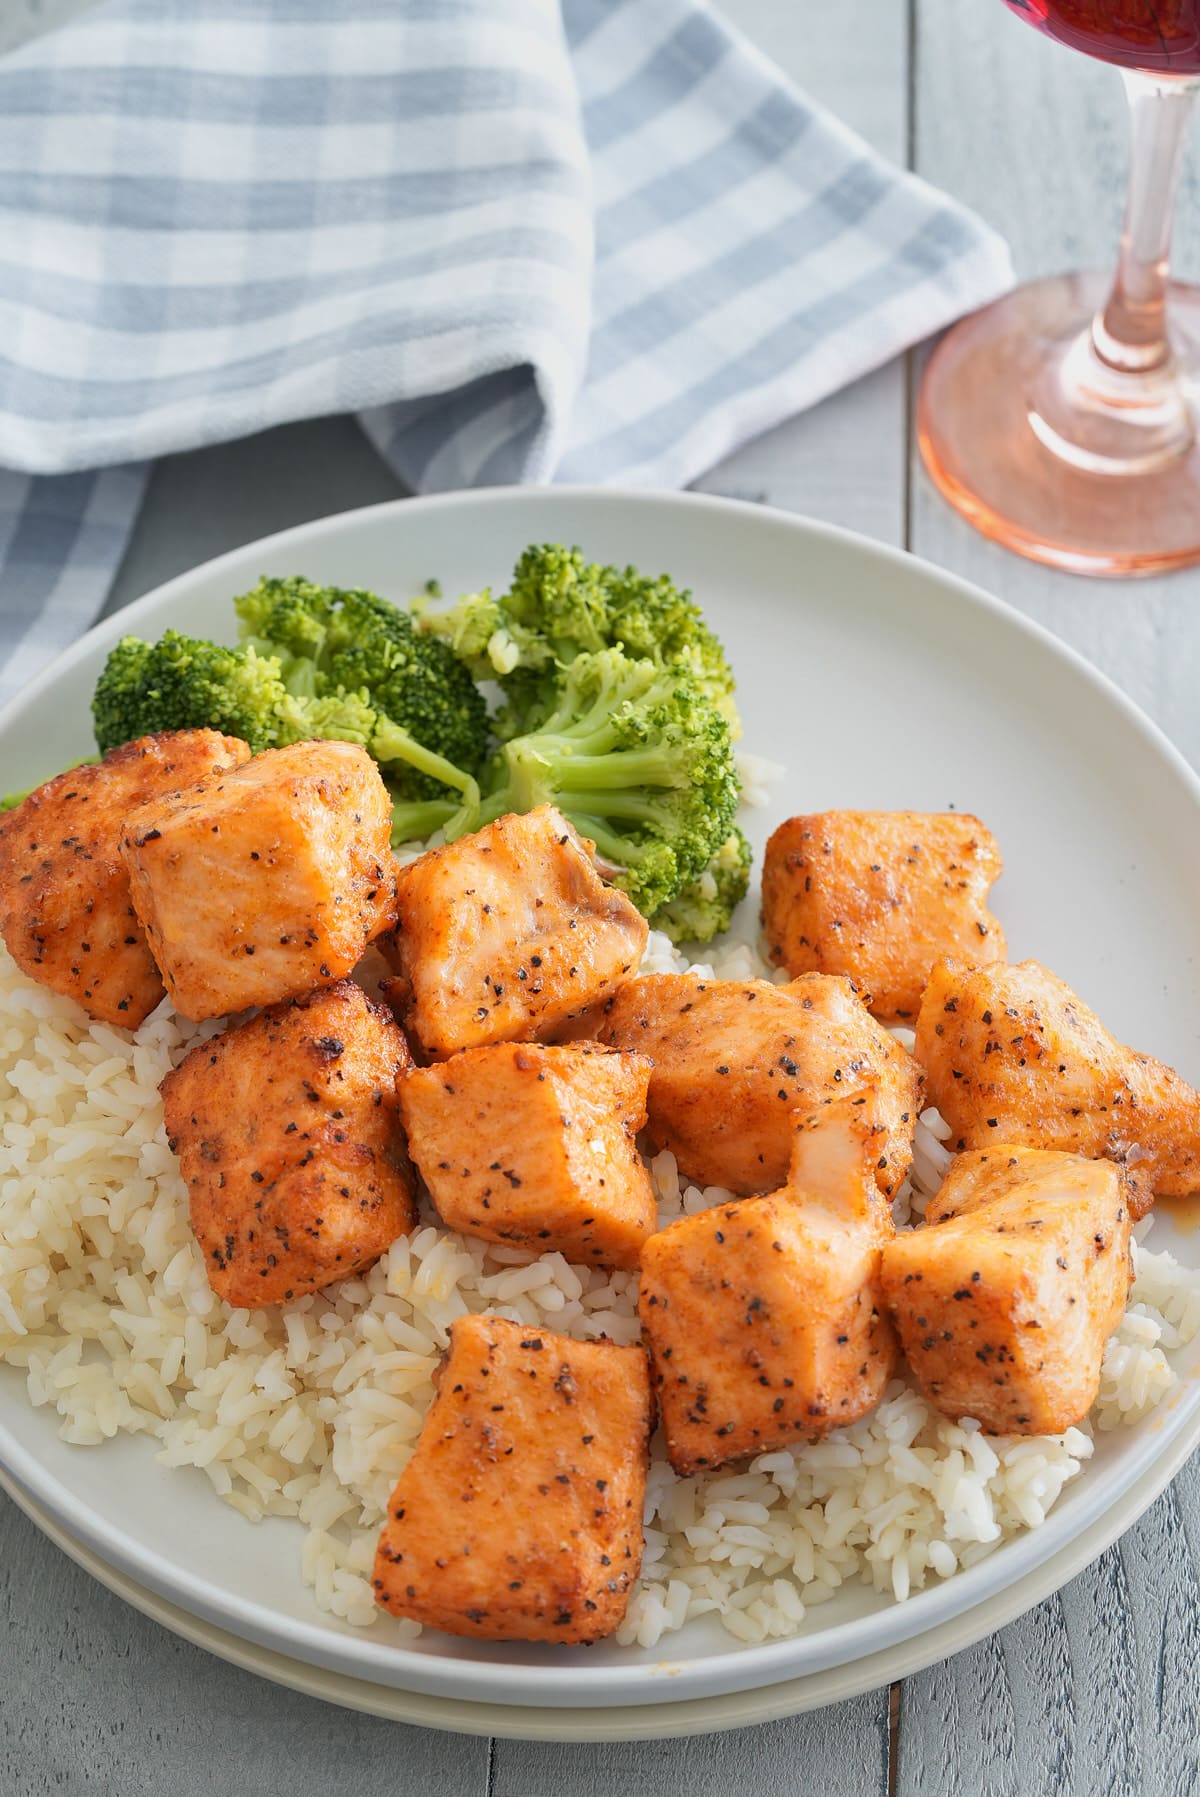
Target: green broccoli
<point>453,812</point>
<point>333,641</point>
<point>639,759</point>
<point>705,907</point>
<point>181,683</point>
<point>557,607</point>
<point>618,710</point>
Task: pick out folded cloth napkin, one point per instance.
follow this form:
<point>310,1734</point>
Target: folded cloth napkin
<point>598,242</point>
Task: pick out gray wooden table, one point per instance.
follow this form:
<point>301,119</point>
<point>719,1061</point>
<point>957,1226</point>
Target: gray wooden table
<point>1096,1691</point>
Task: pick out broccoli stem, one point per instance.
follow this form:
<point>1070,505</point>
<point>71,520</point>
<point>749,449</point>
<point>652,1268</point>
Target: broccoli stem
<point>390,743</point>
<point>629,808</point>
<point>414,820</point>
<point>606,771</point>
<point>617,850</point>
<point>618,786</point>
<point>300,676</point>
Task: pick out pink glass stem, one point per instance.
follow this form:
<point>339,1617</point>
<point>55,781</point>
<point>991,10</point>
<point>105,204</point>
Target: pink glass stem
<point>1130,335</point>
<point>1062,420</point>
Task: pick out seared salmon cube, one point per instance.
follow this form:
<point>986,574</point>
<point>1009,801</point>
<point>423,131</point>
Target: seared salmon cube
<point>507,934</point>
<point>880,896</point>
<point>764,1318</point>
<point>1005,1299</point>
<point>65,908</point>
<point>518,1142</point>
<point>519,1516</point>
<point>1014,1055</point>
<point>738,1062</point>
<point>288,1136</point>
<point>259,884</point>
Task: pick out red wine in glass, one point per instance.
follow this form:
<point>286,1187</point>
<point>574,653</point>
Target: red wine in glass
<point>1159,35</point>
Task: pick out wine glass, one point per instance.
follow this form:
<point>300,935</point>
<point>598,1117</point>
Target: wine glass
<point>1064,421</point>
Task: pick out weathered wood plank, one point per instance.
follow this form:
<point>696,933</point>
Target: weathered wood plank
<point>1161,1560</point>
<point>98,1700</point>
<point>1095,1690</point>
<point>1093,1694</point>
<point>839,1752</point>
<point>843,462</point>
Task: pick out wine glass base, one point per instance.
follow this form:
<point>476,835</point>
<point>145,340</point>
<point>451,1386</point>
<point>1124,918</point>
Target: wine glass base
<point>978,422</point>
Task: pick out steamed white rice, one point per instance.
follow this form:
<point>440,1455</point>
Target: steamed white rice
<point>313,1411</point>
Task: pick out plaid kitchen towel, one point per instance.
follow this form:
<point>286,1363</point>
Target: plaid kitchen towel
<point>603,241</point>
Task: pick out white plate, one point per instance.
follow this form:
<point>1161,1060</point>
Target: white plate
<point>629,1722</point>
<point>881,683</point>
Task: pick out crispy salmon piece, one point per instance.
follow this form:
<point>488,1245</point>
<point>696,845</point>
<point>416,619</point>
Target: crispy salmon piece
<point>880,896</point>
<point>288,1135</point>
<point>1004,1301</point>
<point>737,1062</point>
<point>259,884</point>
<point>981,1176</point>
<point>65,907</point>
<point>519,1516</point>
<point>518,1142</point>
<point>1012,1055</point>
<point>505,935</point>
<point>764,1318</point>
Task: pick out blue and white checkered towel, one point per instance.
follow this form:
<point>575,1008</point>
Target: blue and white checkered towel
<point>603,241</point>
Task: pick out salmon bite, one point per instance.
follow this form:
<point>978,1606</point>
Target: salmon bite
<point>66,910</point>
<point>287,1132</point>
<point>519,1516</point>
<point>765,1319</point>
<point>738,1062</point>
<point>508,934</point>
<point>880,896</point>
<point>519,1142</point>
<point>1013,1055</point>
<point>294,848</point>
<point>1006,1297</point>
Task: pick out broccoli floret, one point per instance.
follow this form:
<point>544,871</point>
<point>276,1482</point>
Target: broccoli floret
<point>639,759</point>
<point>282,625</point>
<point>653,617</point>
<point>557,607</point>
<point>339,717</point>
<point>560,605</point>
<point>705,907</point>
<point>119,700</point>
<point>474,628</point>
<point>332,641</point>
<point>181,683</point>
